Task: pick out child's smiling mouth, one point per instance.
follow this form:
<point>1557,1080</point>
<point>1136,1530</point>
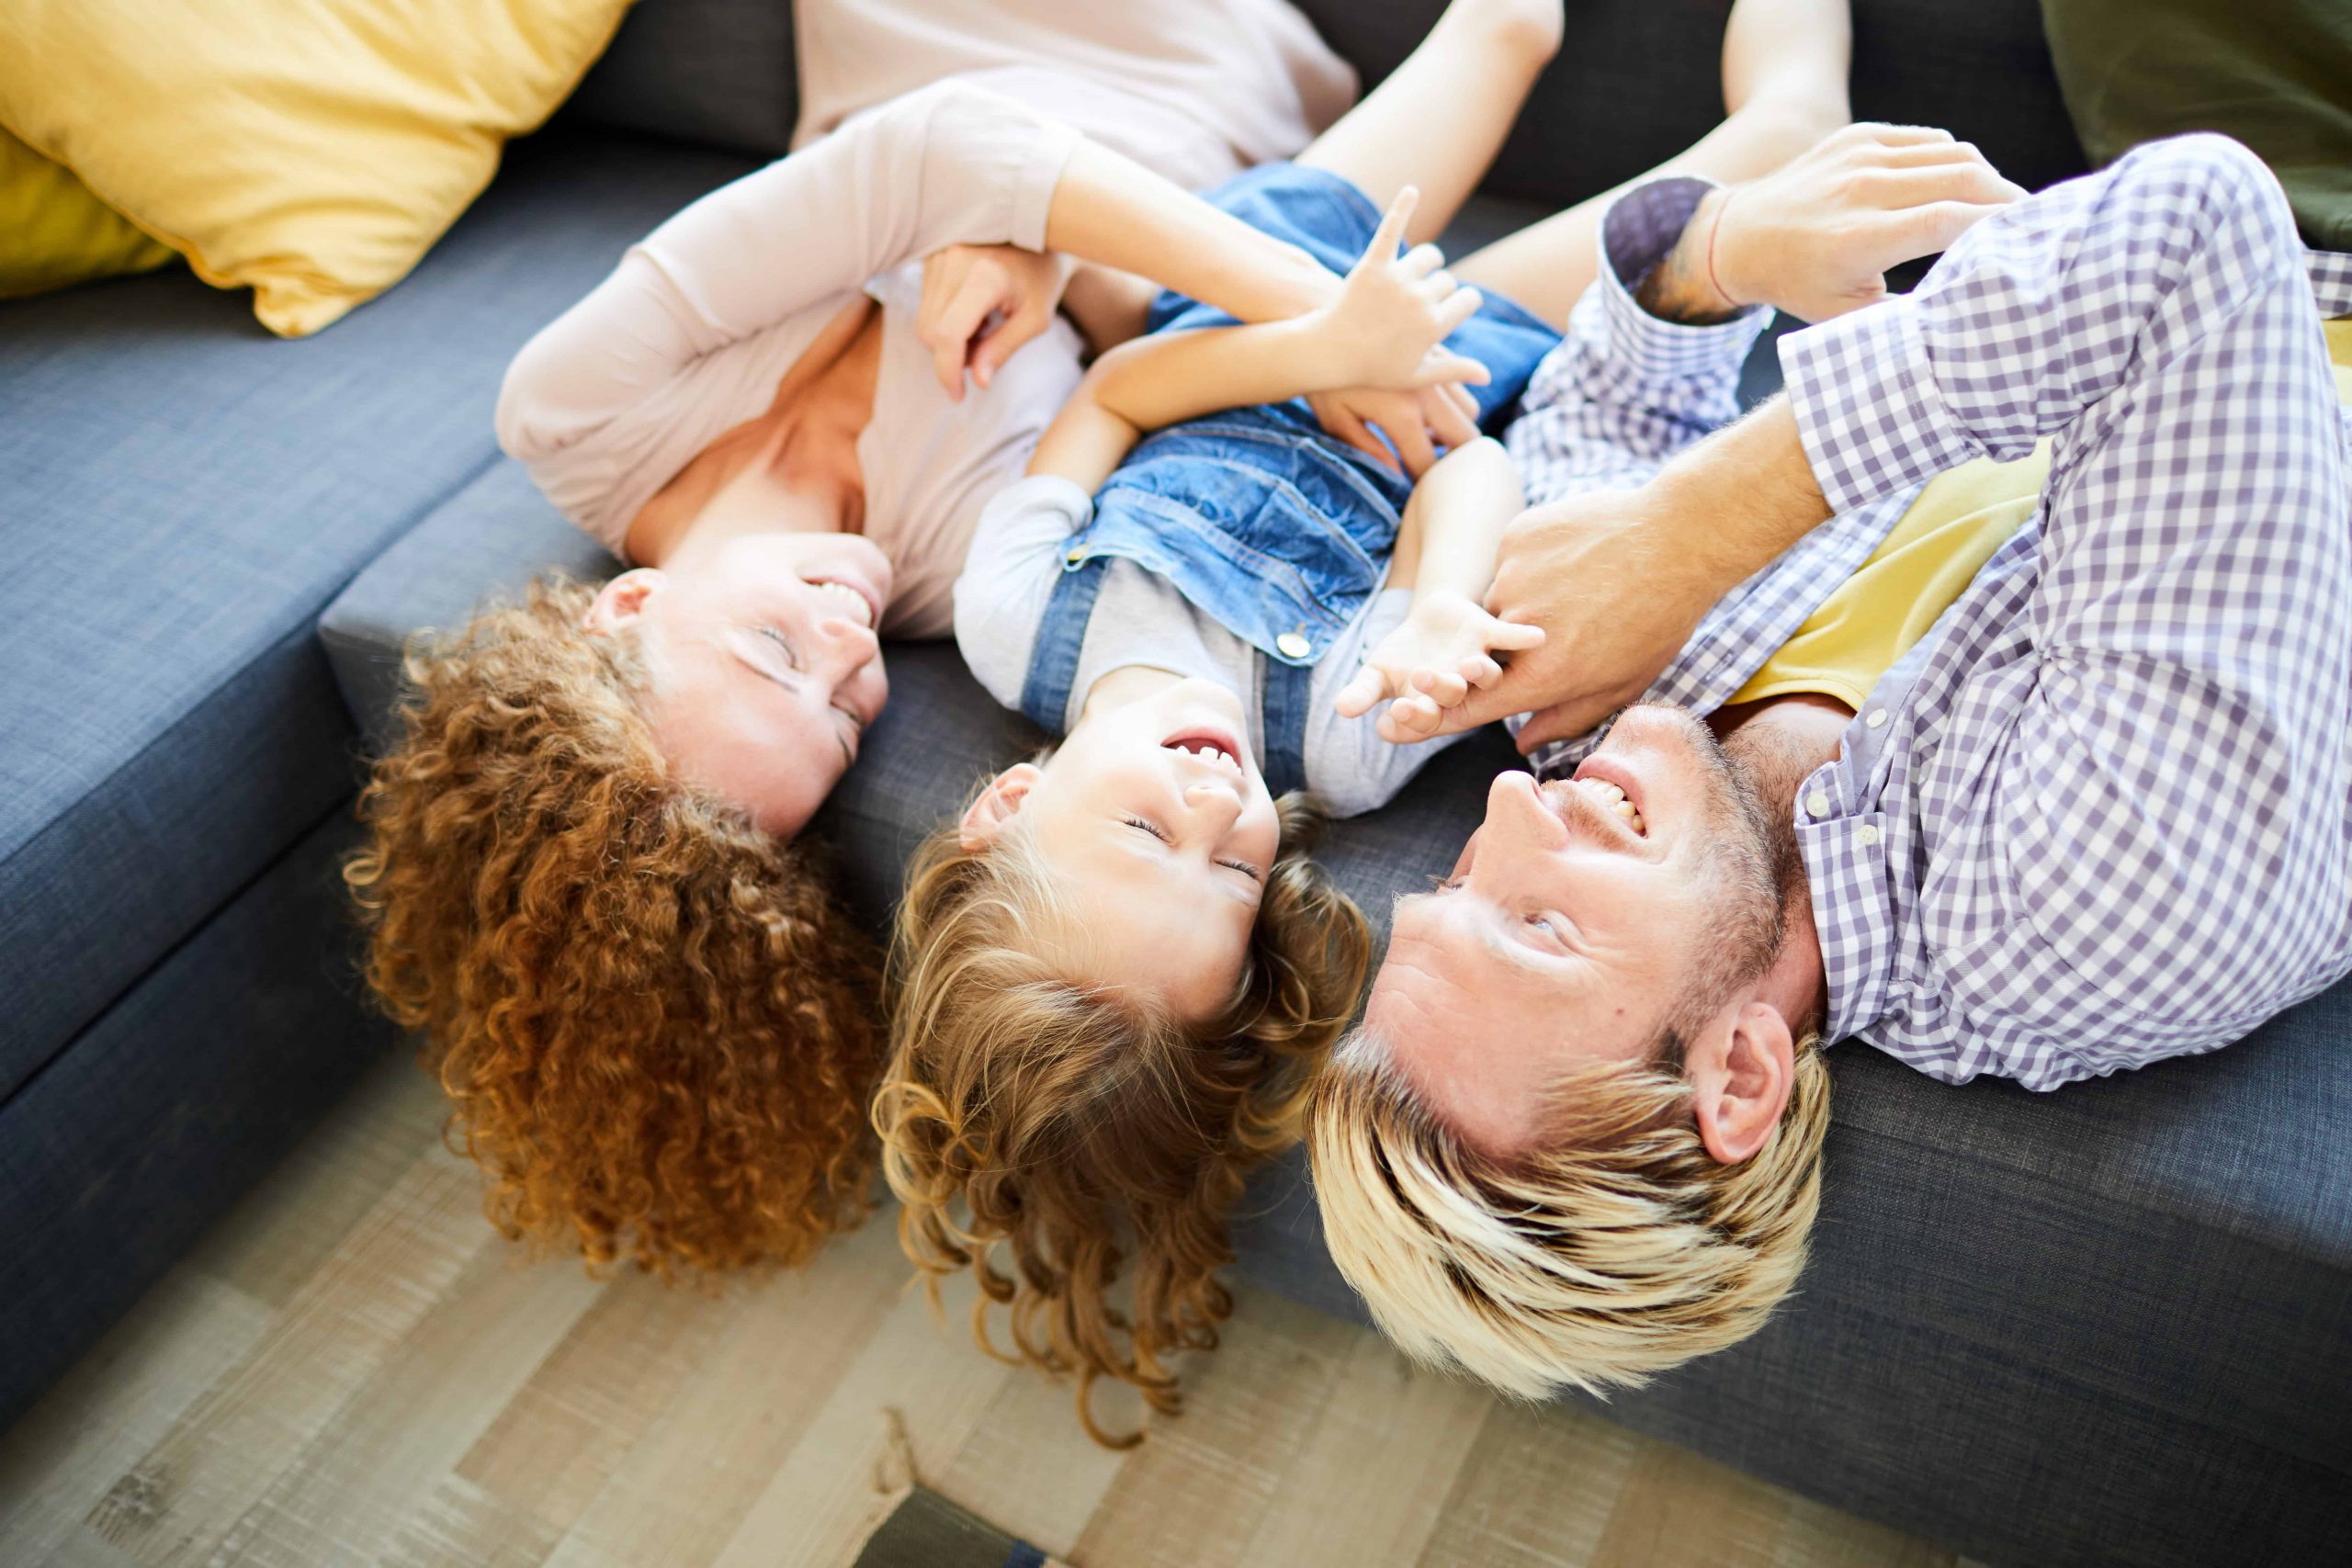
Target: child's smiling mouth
<point>1210,746</point>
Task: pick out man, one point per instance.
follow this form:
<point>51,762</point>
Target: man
<point>2046,785</point>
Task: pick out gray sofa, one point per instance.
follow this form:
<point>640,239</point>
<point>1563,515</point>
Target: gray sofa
<point>2111,1325</point>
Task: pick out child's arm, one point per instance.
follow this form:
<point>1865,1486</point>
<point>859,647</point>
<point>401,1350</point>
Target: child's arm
<point>1445,554</point>
<point>1385,328</point>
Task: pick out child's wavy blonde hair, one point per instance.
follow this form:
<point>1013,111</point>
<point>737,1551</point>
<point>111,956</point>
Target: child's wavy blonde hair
<point>656,1025</point>
<point>1069,1127</point>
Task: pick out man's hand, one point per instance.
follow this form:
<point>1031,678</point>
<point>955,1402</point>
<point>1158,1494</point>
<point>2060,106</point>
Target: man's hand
<point>1388,324</point>
<point>1598,572</point>
<point>1442,651</point>
<point>1415,423</point>
<point>982,302</point>
<point>1815,236</point>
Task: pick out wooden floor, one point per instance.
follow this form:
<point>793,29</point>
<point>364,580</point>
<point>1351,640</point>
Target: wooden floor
<point>354,1369</point>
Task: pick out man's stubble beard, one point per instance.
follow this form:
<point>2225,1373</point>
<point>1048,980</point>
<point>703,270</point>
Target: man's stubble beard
<point>1759,872</point>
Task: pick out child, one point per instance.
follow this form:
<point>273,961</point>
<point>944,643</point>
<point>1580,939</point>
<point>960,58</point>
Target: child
<point>1110,970</point>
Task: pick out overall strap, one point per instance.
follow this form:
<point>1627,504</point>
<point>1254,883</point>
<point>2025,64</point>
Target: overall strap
<point>1288,689</point>
<point>1053,658</point>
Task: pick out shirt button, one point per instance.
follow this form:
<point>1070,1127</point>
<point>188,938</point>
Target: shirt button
<point>1290,645</point>
<point>1817,803</point>
<point>1866,835</point>
<point>1876,719</point>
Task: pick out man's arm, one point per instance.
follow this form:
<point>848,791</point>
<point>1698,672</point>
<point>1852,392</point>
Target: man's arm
<point>1618,578</point>
<point>2147,856</point>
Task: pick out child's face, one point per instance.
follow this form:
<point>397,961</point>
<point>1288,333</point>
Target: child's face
<point>1159,832</point>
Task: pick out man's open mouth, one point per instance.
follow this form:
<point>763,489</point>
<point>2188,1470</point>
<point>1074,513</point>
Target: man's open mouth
<point>1613,797</point>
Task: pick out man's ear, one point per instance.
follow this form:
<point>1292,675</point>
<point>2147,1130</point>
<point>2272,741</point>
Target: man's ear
<point>1741,1069</point>
<point>987,817</point>
<point>622,600</point>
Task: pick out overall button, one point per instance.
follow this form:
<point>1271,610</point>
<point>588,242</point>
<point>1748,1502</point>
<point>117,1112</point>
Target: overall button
<point>1075,557</point>
<point>1817,803</point>
<point>1290,645</point>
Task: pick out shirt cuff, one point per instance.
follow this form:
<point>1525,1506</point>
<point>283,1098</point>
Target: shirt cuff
<point>1868,412</point>
<point>1034,184</point>
<point>1637,232</point>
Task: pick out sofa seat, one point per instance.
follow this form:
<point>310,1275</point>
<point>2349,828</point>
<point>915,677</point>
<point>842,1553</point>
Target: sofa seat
<point>184,493</point>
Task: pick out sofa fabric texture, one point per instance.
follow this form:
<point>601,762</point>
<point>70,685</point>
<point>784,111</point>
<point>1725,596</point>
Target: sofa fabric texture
<point>2107,1325</point>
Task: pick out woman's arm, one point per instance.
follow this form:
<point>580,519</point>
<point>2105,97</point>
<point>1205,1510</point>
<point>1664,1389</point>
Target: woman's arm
<point>950,164</point>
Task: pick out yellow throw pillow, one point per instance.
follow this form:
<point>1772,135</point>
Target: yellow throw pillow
<point>53,232</point>
<point>311,149</point>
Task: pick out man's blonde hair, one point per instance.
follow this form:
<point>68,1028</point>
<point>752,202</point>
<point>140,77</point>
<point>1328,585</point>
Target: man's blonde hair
<point>1061,1130</point>
<point>1617,1248</point>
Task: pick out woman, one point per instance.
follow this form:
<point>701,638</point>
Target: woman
<point>656,1025</point>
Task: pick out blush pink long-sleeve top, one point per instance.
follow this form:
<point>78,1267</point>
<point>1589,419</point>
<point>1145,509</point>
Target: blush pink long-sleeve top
<point>691,334</point>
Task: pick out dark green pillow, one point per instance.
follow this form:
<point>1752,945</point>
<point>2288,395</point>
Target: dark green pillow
<point>2277,75</point>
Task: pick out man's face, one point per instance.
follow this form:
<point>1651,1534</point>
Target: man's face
<point>1574,933</point>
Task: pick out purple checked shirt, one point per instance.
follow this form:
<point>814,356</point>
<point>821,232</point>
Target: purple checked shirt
<point>2102,813</point>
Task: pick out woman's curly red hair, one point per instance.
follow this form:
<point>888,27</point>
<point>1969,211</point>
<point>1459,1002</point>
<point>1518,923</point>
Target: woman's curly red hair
<point>655,1024</point>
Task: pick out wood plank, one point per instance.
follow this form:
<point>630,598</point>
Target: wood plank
<point>379,1459</point>
<point>274,1241</point>
<point>1535,1491</point>
<point>1029,1467</point>
<point>382,1280</point>
<point>1197,1490</point>
<point>461,1526</point>
<point>572,1425</point>
<point>914,1369</point>
<point>701,1466</point>
<point>1377,1468</point>
<point>1817,1536</point>
<point>116,1403</point>
<point>1677,1507</point>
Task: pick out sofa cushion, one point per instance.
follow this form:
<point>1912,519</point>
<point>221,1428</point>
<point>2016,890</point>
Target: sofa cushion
<point>720,72</point>
<point>184,493</point>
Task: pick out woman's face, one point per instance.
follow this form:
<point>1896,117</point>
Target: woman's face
<point>1159,834</point>
<point>764,664</point>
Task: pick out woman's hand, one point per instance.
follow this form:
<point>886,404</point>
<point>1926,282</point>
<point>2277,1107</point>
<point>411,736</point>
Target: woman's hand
<point>1443,650</point>
<point>1388,324</point>
<point>1416,423</point>
<point>982,302</point>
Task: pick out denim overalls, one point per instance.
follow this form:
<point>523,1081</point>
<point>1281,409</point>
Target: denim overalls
<point>1275,529</point>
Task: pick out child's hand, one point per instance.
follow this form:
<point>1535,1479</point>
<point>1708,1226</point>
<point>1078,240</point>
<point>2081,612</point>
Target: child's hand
<point>1415,423</point>
<point>1429,665</point>
<point>1388,324</point>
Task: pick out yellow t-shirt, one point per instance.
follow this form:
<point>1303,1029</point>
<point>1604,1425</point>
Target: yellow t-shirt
<point>1891,600</point>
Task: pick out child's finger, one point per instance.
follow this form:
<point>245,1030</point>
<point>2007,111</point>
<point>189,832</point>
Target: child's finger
<point>1438,286</point>
<point>1448,420</point>
<point>1413,446</point>
<point>1359,434</point>
<point>1358,695</point>
<point>1421,261</point>
<point>1408,720</point>
<point>1441,365</point>
<point>1478,669</point>
<point>1513,636</point>
<point>1442,687</point>
<point>1459,306</point>
<point>1391,232</point>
